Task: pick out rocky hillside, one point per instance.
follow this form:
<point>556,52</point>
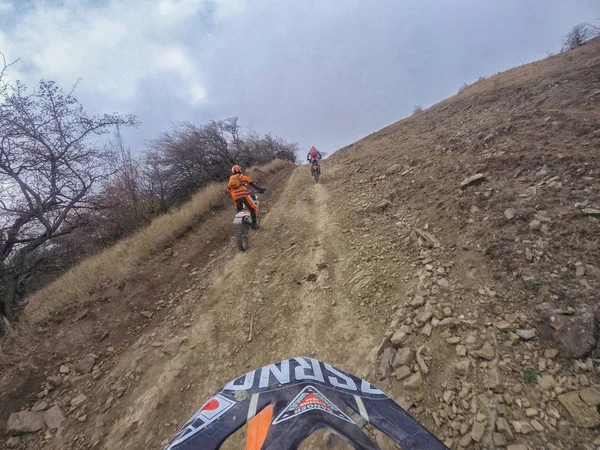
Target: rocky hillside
<point>451,258</point>
<point>492,200</point>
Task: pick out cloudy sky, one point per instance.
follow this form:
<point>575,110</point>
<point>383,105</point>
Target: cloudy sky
<point>317,72</point>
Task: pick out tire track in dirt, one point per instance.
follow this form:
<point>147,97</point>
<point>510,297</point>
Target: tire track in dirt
<point>291,285</point>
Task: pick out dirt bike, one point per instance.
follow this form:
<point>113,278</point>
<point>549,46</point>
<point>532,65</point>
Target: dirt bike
<point>243,220</point>
<point>286,402</point>
<point>315,170</point>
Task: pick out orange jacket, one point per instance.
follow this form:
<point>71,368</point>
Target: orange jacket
<point>238,186</point>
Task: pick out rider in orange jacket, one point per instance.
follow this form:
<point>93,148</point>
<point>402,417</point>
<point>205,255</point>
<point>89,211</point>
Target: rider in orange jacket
<point>238,189</point>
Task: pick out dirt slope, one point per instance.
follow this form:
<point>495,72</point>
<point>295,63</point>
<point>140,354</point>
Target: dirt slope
<point>473,307</point>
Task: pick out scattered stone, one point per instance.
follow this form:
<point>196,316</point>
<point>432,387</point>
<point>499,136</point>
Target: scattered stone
<point>185,265</point>
<point>498,439</point>
<point>147,314</point>
<point>465,441</point>
<point>591,211</point>
<point>526,334</point>
<point>517,447</point>
<point>76,401</point>
<point>546,382</point>
<point>55,381</point>
<point>86,364</point>
<point>448,322</point>
<point>53,418</point>
<point>584,416</point>
<point>417,301</point>
<point>536,425</point>
<point>403,357</point>
<point>421,361</point>
<point>443,283</point>
<point>503,427</point>
<point>172,347</point>
<point>40,406</point>
<point>462,367</point>
<point>461,350</point>
<point>518,388</point>
<point>531,412</point>
<point>424,317</point>
<point>550,353</point>
<point>398,338</point>
<point>393,169</point>
<point>448,397</point>
<point>427,329</point>
<point>591,395</point>
<point>535,225</point>
<point>522,427</point>
<point>447,311</point>
<point>415,381</point>
<point>380,207</point>
<point>485,352</point>
<point>574,336</point>
<point>503,325</point>
<point>510,213</point>
<point>24,422</point>
<point>403,372</point>
<point>473,179</point>
<point>64,369</point>
<point>495,379</point>
<point>13,442</point>
<point>477,431</point>
<point>385,366</point>
<point>169,251</point>
<point>453,340</point>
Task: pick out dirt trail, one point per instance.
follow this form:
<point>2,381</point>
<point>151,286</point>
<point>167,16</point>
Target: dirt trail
<point>291,285</point>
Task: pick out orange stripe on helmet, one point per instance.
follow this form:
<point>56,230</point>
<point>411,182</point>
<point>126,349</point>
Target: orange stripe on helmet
<point>258,428</point>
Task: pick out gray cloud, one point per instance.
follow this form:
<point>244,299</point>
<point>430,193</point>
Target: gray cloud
<point>319,72</point>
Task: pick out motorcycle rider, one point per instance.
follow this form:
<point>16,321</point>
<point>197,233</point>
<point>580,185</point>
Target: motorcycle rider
<point>238,189</point>
<point>314,155</point>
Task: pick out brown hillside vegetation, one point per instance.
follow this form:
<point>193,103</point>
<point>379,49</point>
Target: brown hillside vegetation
<point>450,258</point>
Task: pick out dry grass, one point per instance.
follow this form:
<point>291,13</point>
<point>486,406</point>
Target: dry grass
<point>120,261</point>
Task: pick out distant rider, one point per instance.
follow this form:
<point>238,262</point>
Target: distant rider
<point>314,155</point>
<point>238,189</point>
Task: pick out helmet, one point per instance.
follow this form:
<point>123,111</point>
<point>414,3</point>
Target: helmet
<point>236,169</point>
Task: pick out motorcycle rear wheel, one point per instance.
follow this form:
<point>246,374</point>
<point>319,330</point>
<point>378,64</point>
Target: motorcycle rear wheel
<point>242,238</point>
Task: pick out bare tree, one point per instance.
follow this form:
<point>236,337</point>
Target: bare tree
<point>417,109</point>
<point>579,35</point>
<point>49,166</point>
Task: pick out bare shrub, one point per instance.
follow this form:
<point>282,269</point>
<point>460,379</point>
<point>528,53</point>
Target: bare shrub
<point>417,109</point>
<point>579,35</point>
<point>120,261</point>
<point>49,167</point>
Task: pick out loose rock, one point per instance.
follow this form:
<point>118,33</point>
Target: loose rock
<point>24,422</point>
<point>477,431</point>
<point>584,416</point>
<point>415,381</point>
<point>473,179</point>
<point>403,372</point>
<point>85,364</point>
<point>403,357</point>
<point>573,336</point>
<point>81,398</point>
<point>53,418</point>
<point>591,395</point>
<point>485,352</point>
<point>510,213</point>
<point>526,334</point>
